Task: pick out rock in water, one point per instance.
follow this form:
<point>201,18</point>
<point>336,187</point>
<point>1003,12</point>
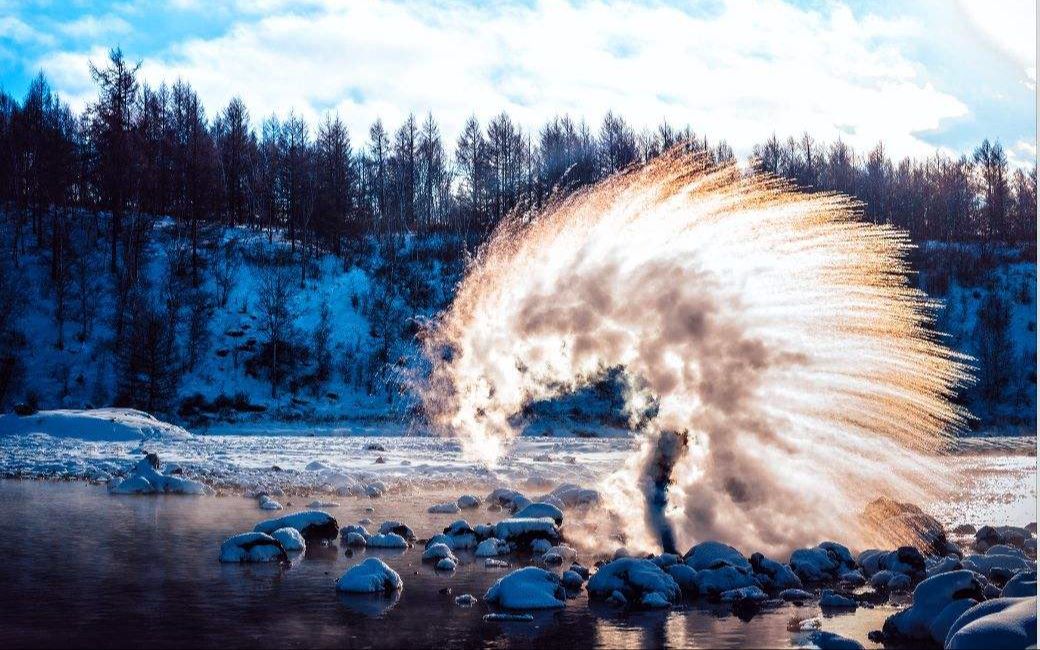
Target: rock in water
<point>252,547</point>
<point>312,524</point>
<point>290,539</point>
<point>371,576</point>
<point>527,588</point>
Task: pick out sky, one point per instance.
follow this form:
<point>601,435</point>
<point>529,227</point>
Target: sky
<point>920,76</point>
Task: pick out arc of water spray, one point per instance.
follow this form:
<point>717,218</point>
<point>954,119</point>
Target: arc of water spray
<point>774,328</point>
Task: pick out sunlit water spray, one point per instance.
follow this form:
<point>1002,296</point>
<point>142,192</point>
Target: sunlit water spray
<point>776,333</point>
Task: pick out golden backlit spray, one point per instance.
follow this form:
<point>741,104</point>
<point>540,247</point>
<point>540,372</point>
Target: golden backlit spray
<point>777,333</point>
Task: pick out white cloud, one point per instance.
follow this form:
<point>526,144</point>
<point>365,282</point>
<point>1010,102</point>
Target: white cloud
<point>1008,26</point>
<point>94,27</point>
<point>741,72</point>
<point>18,31</point>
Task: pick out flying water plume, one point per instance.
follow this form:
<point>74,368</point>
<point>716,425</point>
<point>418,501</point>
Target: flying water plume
<point>792,371</point>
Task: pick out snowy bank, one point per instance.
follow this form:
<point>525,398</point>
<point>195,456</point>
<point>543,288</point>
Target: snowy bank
<point>102,425</point>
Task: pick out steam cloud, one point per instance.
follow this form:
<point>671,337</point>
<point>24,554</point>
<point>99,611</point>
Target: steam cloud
<point>792,367</point>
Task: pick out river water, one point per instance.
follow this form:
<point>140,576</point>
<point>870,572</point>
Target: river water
<point>83,568</point>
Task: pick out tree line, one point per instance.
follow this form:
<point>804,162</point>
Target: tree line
<point>139,150</point>
<point>75,183</point>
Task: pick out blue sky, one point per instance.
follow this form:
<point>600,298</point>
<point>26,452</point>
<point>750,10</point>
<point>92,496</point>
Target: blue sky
<point>922,76</point>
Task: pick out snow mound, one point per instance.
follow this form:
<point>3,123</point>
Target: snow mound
<point>634,578</point>
<point>712,555</point>
<point>312,524</point>
<point>772,575</point>
<point>460,534</point>
<point>447,564</point>
<point>713,582</point>
<point>369,577</point>
<point>571,496</point>
<point>527,588</point>
<point>397,528</point>
<point>506,498</point>
<point>388,540</point>
<point>823,563</point>
<point>1021,585</point>
<point>267,503</point>
<point>999,623</point>
<point>572,580</point>
<point>468,501</point>
<point>744,594</point>
<point>539,511</point>
<point>252,547</point>
<point>685,577</point>
<point>524,531</point>
<point>145,478</point>
<point>830,599</point>
<point>931,597</point>
<point>491,548</point>
<point>290,539</point>
<point>466,600</point>
<point>101,425</point>
<point>437,552</point>
<point>355,540</point>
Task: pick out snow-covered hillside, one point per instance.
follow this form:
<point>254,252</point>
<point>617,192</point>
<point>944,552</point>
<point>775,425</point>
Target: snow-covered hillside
<point>371,322</point>
<point>219,366</point>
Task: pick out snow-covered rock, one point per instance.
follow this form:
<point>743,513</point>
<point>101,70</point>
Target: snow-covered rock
<point>468,501</point>
<point>461,534</point>
<point>524,531</point>
<point>712,582</point>
<point>685,576</point>
<point>831,641</point>
<point>312,524</point>
<point>98,425</point>
<point>252,547</point>
<point>437,552</point>
<point>267,503</point>
<point>711,555</point>
<point>388,540</point>
<point>654,600</point>
<point>447,564</point>
<point>540,546</point>
<point>449,508</point>
<point>772,575</point>
<point>319,505</point>
<point>822,563</point>
<point>491,547</point>
<point>466,600</point>
<point>397,528</point>
<point>988,536</point>
<point>830,599</point>
<point>795,595</point>
<point>290,539</point>
<point>353,528</point>
<point>527,588</point>
<point>355,540</point>
<point>571,496</point>
<point>931,597</point>
<point>540,510</point>
<point>989,565</point>
<point>906,560</point>
<point>146,478</point>
<point>559,554</point>
<point>999,623</point>
<point>371,576</point>
<point>1021,585</point>
<point>572,580</point>
<point>634,578</point>
<point>492,563</point>
<point>744,594</point>
<point>506,498</point>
